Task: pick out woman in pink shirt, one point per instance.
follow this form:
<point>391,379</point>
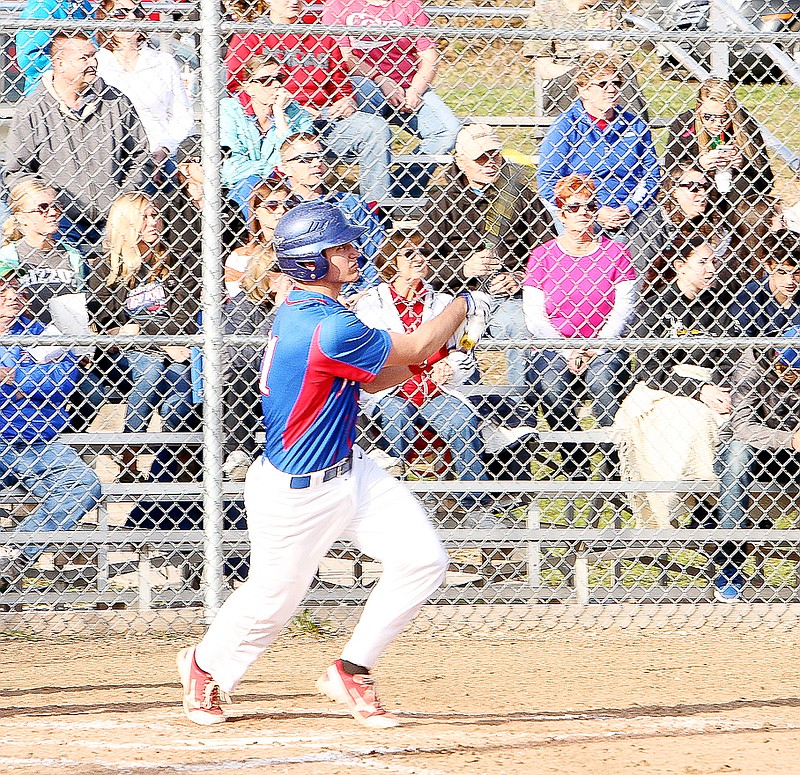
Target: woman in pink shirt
<point>578,286</point>
<point>392,77</point>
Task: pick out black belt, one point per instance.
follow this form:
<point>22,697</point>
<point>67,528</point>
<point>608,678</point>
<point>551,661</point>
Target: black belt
<point>302,481</point>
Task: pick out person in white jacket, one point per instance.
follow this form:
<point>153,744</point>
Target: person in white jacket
<point>148,77</point>
<point>401,304</point>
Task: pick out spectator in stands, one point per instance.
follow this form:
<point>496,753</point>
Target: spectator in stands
<point>771,305</point>
<point>597,138</point>
<point>316,76</point>
<point>52,274</point>
<point>556,59</point>
<point>80,137</point>
<point>33,46</point>
<point>255,288</point>
<point>393,76</point>
<point>759,226</point>
<point>481,228</point>
<point>721,137</point>
<point>183,216</point>
<point>35,385</point>
<point>579,284</point>
<point>687,306</point>
<point>685,207</point>
<point>269,200</point>
<point>137,289</point>
<point>763,445</point>
<point>401,304</point>
<point>303,163</point>
<point>669,424</point>
<point>254,124</point>
<point>51,269</point>
<point>149,77</point>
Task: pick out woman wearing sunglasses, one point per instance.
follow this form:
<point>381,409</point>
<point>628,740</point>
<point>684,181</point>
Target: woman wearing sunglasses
<point>51,269</point>
<point>724,141</point>
<point>578,286</point>
<point>254,287</point>
<point>254,124</point>
<point>149,77</point>
<point>685,206</point>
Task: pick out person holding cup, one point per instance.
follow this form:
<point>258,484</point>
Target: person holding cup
<point>721,137</point>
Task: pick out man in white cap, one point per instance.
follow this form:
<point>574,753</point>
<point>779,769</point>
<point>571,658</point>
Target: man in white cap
<point>481,229</point>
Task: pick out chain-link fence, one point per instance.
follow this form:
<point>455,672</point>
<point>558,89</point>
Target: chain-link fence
<point>624,175</point>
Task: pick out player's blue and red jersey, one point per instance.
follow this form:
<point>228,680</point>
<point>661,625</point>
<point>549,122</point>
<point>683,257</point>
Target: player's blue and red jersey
<point>318,353</point>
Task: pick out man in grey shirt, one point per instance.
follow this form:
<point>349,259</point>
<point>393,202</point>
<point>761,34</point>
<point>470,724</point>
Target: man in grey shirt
<point>79,136</point>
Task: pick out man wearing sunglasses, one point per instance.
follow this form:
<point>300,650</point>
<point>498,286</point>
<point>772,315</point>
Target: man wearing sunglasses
<point>481,229</point>
<point>610,145</point>
<point>316,76</point>
<point>80,137</point>
<point>303,163</point>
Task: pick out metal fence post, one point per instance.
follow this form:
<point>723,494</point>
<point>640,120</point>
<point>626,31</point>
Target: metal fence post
<point>210,91</point>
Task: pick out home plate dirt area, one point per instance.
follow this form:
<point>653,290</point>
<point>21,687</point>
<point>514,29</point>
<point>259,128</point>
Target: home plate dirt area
<point>560,702</point>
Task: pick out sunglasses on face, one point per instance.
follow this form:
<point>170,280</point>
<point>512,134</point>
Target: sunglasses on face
<point>125,13</point>
<point>45,207</point>
<point>307,158</point>
<point>489,156</point>
<point>266,80</point>
<point>272,205</point>
<point>592,206</point>
<point>694,186</point>
<point>615,83</point>
<point>713,118</point>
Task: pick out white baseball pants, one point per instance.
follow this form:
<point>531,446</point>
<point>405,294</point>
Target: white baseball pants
<point>290,533</point>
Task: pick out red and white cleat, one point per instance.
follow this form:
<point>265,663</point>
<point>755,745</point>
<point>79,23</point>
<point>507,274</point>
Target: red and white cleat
<point>201,693</point>
<point>358,694</point>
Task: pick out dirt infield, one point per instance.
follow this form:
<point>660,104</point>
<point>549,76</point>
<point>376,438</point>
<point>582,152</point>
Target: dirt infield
<point>557,703</point>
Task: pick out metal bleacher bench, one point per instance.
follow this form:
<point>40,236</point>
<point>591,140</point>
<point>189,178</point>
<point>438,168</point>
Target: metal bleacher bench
<point>139,551</point>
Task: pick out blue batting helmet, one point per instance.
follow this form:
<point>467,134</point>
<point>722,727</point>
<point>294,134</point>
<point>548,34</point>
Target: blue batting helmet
<point>304,232</point>
<point>790,356</point>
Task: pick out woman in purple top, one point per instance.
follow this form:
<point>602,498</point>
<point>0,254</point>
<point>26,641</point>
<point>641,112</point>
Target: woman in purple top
<point>578,286</point>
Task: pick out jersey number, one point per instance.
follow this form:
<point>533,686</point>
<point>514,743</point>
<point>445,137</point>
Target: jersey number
<point>266,363</point>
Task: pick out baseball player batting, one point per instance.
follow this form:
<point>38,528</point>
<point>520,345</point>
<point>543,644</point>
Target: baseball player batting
<point>312,485</point>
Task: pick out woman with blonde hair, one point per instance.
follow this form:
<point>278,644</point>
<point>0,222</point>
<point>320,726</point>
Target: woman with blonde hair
<point>28,239</point>
<point>721,137</point>
<point>137,290</point>
<point>269,200</point>
<point>255,288</point>
<point>52,277</point>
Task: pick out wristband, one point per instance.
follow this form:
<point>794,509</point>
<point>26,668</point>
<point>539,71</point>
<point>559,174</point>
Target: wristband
<point>467,296</point>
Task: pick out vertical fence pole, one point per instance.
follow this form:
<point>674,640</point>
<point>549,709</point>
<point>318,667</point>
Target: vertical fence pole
<point>210,92</point>
<point>720,51</point>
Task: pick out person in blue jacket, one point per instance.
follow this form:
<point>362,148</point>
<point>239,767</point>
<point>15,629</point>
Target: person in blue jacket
<point>611,146</point>
<point>252,126</point>
<point>33,46</point>
<point>303,163</point>
<point>35,386</point>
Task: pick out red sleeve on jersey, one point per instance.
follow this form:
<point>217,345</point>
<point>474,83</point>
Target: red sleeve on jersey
<point>318,381</point>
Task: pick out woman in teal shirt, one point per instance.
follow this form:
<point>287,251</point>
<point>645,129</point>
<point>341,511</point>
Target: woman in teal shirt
<point>253,124</point>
